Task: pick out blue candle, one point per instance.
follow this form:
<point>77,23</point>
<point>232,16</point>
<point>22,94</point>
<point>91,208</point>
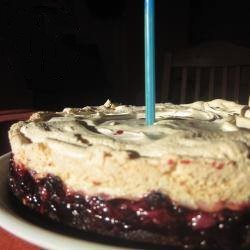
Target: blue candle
<point>149,38</point>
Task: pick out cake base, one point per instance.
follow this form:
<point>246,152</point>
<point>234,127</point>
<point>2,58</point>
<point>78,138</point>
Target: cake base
<point>152,219</point>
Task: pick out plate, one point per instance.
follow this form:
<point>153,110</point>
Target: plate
<point>46,234</point>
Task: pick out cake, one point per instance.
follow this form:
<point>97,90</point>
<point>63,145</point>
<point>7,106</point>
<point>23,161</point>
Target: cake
<point>183,182</point>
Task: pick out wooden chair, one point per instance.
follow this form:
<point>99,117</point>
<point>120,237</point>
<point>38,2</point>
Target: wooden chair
<point>212,70</point>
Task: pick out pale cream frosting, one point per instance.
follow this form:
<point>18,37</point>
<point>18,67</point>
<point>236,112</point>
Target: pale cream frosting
<point>197,154</point>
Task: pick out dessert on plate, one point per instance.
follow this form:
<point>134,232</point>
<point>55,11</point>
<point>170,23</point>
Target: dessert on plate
<point>182,182</point>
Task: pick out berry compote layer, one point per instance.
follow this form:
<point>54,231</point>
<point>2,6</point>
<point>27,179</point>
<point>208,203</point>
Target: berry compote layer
<point>153,218</point>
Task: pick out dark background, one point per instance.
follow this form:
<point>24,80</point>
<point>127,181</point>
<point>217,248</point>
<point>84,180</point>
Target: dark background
<point>57,53</point>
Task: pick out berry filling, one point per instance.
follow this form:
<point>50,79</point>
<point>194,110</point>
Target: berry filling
<point>153,214</point>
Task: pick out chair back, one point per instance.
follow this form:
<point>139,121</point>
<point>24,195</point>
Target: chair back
<point>209,71</point>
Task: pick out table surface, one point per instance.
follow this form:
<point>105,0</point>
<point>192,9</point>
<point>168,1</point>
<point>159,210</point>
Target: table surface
<point>11,242</point>
<point>7,240</point>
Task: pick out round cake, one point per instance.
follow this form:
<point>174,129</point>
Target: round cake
<point>182,182</point>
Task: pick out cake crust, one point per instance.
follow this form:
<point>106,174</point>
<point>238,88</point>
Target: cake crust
<point>153,219</point>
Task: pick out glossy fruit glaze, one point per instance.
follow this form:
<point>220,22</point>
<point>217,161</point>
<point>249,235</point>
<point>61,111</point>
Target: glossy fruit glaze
<point>154,213</point>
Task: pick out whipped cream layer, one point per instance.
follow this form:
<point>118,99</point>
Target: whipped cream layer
<point>197,154</point>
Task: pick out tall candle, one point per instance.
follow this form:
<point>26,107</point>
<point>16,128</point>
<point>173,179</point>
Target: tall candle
<point>149,39</point>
